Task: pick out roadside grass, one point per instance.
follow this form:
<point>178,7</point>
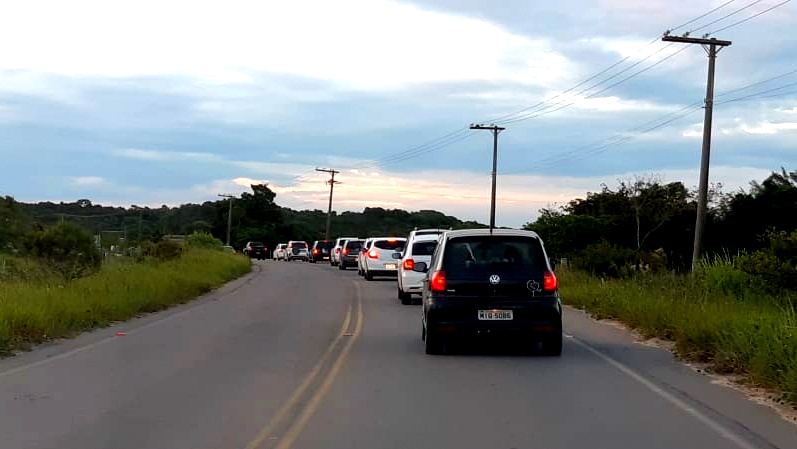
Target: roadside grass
<point>34,310</point>
<point>716,317</point>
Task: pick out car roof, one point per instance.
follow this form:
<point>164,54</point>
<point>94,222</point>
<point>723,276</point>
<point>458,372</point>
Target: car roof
<point>388,238</point>
<point>487,232</point>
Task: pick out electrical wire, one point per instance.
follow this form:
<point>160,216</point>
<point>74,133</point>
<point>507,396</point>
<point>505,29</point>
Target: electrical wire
<point>706,25</point>
<point>702,16</point>
<point>749,18</point>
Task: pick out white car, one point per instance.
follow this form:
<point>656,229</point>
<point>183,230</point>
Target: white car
<point>360,262</point>
<point>279,252</point>
<point>419,249</point>
<point>334,255</point>
<point>297,249</point>
<point>377,259</point>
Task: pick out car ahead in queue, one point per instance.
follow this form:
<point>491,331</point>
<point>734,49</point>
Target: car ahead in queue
<point>360,261</point>
<point>376,258</point>
<point>419,249</point>
<point>334,255</point>
<point>490,283</point>
<point>349,252</point>
<point>297,250</point>
<point>279,252</point>
<point>256,250</point>
<point>321,250</point>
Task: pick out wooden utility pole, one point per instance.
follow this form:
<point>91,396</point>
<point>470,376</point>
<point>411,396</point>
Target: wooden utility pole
<point>229,216</point>
<point>712,47</point>
<point>495,129</point>
<point>331,183</point>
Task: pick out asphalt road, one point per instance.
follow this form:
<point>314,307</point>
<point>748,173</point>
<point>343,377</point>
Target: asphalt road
<point>306,356</point>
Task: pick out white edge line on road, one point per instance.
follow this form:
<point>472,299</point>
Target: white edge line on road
<point>715,426</point>
<point>106,340</point>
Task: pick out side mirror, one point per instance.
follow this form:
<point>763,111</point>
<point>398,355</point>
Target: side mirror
<point>396,255</point>
<point>552,262</point>
<point>420,267</point>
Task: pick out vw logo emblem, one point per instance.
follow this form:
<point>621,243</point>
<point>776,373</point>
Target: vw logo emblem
<point>495,279</point>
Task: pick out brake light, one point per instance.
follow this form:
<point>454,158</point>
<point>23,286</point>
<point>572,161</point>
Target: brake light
<point>438,281</point>
<point>315,251</point>
<point>549,282</point>
<point>409,264</point>
<point>373,254</point>
<point>392,240</point>
<point>346,251</point>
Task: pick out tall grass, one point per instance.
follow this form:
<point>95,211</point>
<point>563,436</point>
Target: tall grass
<point>718,317</point>
<point>33,311</point>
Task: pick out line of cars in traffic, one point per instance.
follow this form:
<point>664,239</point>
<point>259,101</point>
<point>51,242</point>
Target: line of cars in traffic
<point>471,283</point>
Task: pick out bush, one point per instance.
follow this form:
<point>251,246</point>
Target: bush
<point>775,266</point>
<point>605,259</point>
<point>203,240</point>
<point>168,250</point>
<point>65,248</point>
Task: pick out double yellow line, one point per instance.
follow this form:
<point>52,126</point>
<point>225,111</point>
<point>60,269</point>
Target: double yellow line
<point>329,365</point>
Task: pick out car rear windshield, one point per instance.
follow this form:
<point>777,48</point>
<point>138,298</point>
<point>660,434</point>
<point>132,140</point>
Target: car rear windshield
<point>428,232</point>
<point>395,245</point>
<point>424,248</point>
<point>299,245</point>
<point>255,244</point>
<point>470,257</point>
<point>325,244</point>
<point>354,244</point>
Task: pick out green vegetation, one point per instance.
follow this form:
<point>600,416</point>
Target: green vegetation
<point>35,307</point>
<point>716,317</point>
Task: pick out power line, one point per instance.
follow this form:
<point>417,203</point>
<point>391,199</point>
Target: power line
<point>594,94</point>
<point>731,14</point>
<point>700,16</point>
<point>750,18</point>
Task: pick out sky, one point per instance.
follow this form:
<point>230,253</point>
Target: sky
<point>172,101</point>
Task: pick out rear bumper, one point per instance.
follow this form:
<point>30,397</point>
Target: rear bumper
<point>391,273</point>
<point>538,316</point>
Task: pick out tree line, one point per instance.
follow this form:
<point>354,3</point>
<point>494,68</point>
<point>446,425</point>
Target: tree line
<point>255,217</point>
<point>650,222</point>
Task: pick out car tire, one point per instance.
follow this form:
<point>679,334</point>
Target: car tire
<point>432,343</point>
<point>341,266</point>
<point>552,346</point>
<point>369,276</point>
<point>405,298</point>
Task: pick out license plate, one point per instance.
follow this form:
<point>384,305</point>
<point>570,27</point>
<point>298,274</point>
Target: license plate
<point>390,266</point>
<point>495,315</point>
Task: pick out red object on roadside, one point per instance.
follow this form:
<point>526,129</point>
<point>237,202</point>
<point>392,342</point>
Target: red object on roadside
<point>121,334</point>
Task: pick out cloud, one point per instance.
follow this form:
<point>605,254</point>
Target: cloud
<point>359,44</point>
<point>153,155</point>
<point>88,181</point>
<point>741,127</point>
<point>789,111</point>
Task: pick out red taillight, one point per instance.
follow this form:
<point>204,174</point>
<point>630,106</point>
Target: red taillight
<point>346,251</point>
<point>337,250</point>
<point>549,282</point>
<point>315,251</point>
<point>438,281</point>
<point>373,254</point>
<point>409,264</point>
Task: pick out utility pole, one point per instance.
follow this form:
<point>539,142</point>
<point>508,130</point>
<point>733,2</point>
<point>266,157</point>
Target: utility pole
<point>229,216</point>
<point>712,47</point>
<point>495,129</point>
<point>331,183</point>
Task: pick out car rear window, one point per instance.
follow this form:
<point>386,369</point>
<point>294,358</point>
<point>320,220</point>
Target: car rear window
<point>428,232</point>
<point>354,244</point>
<point>326,244</point>
<point>255,244</point>
<point>299,245</point>
<point>395,245</point>
<point>424,248</point>
<point>468,257</point>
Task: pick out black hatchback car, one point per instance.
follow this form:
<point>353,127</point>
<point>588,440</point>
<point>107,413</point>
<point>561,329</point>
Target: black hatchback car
<point>321,250</point>
<point>490,283</point>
